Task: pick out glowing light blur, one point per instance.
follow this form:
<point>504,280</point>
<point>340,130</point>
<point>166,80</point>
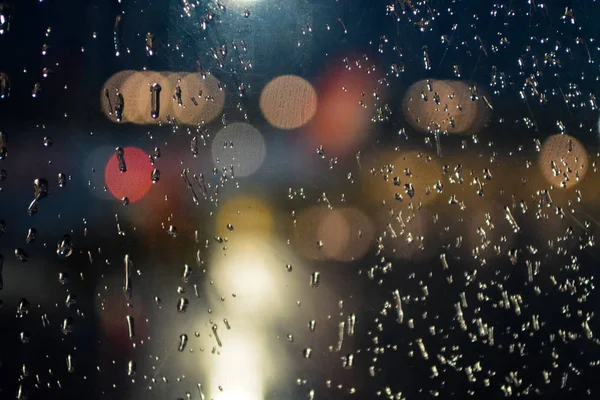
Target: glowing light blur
<point>135,182</point>
<point>450,106</point>
<point>563,161</point>
<point>93,172</point>
<point>306,233</point>
<point>137,99</point>
<point>198,99</point>
<point>108,94</point>
<point>340,234</point>
<point>244,215</point>
<point>288,102</point>
<point>348,98</point>
<point>241,366</point>
<point>361,233</point>
<point>402,178</point>
<point>252,268</point>
<point>409,235</point>
<point>241,146</point>
<point>208,99</point>
<point>251,276</point>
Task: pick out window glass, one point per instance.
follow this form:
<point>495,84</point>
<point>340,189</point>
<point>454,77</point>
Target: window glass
<point>292,199</point>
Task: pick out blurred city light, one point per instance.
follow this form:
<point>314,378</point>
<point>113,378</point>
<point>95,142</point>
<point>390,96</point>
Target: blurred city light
<point>288,102</point>
<point>238,148</point>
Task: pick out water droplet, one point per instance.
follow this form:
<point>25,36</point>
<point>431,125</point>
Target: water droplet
<point>187,271</point>
<point>3,145</point>
<point>21,393</point>
<point>63,278</point>
<point>23,308</point>
<point>315,279</point>
<point>48,142</point>
<point>155,100</point>
<point>67,326</point>
<point>4,85</point>
<point>289,267</point>
<point>183,339</point>
<point>131,367</point>
<point>120,153</point>
<point>70,366</point>
<point>128,265</point>
<point>214,329</point>
<point>155,176</point>
<point>40,188</point>
<point>62,179</point>
<point>117,33</point>
<point>182,305</point>
<point>119,106</point>
<point>351,324</point>
<point>64,247</point>
<point>24,336</point>
<point>150,44</point>
<point>130,327</point>
<point>3,175</point>
<point>21,255</point>
<point>246,13</point>
<point>70,300</point>
<point>37,88</point>
<point>312,325</point>
<point>307,353</point>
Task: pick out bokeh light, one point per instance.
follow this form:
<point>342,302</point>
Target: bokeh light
<point>93,171</point>
<point>402,178</point>
<point>242,366</point>
<point>344,234</point>
<point>201,98</point>
<point>563,161</point>
<point>410,235</point>
<point>313,240</point>
<point>241,146</point>
<point>244,215</point>
<point>360,238</point>
<point>450,106</point>
<point>135,182</point>
<point>108,94</point>
<point>288,102</point>
<point>137,97</point>
<point>348,98</point>
<point>250,270</point>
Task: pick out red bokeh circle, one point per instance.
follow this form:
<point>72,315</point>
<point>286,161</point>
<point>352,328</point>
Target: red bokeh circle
<point>135,182</point>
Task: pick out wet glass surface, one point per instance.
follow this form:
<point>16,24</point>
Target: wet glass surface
<point>291,199</point>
